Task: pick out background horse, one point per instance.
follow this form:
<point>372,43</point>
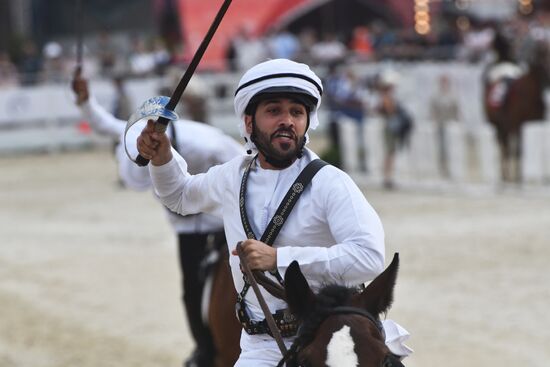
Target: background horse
<point>222,319</point>
<point>339,327</point>
<point>512,98</point>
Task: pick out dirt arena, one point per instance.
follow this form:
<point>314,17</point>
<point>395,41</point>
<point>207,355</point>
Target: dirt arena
<point>89,276</point>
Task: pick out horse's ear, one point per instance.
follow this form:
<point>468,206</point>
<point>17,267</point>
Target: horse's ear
<point>299,295</point>
<point>378,296</point>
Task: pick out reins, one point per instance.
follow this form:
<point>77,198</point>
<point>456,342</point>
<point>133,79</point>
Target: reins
<point>268,317</point>
<point>252,278</point>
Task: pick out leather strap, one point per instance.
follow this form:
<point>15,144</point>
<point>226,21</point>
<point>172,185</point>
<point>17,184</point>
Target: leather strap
<point>279,219</point>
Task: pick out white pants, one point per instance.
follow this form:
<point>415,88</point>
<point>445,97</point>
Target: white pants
<point>260,350</point>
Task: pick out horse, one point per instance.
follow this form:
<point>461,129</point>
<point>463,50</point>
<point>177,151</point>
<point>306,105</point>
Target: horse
<point>339,326</point>
<point>221,317</point>
<point>335,312</point>
<point>512,97</point>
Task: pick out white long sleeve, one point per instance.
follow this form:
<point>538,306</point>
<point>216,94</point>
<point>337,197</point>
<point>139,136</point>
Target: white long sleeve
<point>101,120</point>
<point>202,144</point>
<point>333,232</point>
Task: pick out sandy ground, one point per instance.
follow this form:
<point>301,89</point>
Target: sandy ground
<point>89,276</point>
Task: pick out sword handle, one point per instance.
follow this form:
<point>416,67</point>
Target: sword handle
<point>160,127</point>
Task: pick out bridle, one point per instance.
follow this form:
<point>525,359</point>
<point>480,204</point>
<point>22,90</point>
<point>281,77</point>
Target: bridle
<point>291,357</point>
<point>349,310</point>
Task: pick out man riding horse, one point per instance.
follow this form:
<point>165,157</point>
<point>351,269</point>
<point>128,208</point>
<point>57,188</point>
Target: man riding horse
<point>514,95</point>
<point>332,230</point>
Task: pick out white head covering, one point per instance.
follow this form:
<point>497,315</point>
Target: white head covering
<point>276,73</point>
<point>389,77</point>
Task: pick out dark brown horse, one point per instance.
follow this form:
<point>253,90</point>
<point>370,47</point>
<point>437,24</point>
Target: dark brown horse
<point>340,327</point>
<point>335,312</point>
<point>521,100</point>
<point>222,319</point>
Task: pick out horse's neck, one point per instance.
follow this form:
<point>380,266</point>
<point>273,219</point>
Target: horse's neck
<point>539,74</point>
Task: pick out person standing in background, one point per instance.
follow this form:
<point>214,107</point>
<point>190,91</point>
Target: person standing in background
<point>443,110</point>
<point>398,123</point>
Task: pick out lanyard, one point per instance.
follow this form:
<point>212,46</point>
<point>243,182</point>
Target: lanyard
<point>283,211</point>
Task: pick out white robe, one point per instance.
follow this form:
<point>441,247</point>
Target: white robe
<point>333,232</point>
<point>202,144</point>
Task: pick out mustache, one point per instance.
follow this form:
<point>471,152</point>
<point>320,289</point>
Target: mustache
<point>284,130</point>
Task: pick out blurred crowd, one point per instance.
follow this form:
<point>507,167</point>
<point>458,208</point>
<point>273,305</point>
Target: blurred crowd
<point>107,55</point>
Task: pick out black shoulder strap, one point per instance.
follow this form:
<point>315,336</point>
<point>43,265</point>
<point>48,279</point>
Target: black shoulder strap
<point>288,202</point>
<point>284,209</point>
<point>290,199</point>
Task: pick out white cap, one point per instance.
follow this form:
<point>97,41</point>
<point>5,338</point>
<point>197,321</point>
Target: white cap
<point>276,73</point>
<point>388,77</point>
<point>52,50</point>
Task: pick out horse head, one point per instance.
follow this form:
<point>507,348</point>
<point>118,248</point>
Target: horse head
<point>340,327</point>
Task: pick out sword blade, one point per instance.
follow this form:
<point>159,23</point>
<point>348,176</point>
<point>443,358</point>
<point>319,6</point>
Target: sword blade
<point>162,123</point>
<point>78,27</point>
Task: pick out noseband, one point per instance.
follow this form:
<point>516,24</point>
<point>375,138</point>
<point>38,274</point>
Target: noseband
<point>291,357</point>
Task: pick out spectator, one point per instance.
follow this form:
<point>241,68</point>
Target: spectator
<point>307,39</point>
<point>195,97</point>
<point>54,63</point>
<point>249,49</point>
<point>345,100</point>
<point>161,56</point>
<point>384,39</point>
<point>283,45</point>
<point>122,107</point>
<point>397,123</point>
<point>330,50</point>
<point>142,60</point>
<point>30,64</point>
<point>8,71</point>
<point>443,111</point>
<point>361,43</point>
<point>476,44</point>
<point>106,54</point>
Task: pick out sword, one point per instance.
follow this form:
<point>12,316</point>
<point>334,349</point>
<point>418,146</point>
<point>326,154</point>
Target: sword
<point>162,122</point>
<point>78,26</point>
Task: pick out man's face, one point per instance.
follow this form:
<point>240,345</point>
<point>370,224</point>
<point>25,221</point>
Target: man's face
<point>280,127</point>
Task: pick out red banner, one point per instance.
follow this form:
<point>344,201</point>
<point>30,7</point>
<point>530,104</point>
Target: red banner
<point>257,16</point>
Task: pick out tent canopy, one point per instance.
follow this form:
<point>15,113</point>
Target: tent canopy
<point>257,17</point>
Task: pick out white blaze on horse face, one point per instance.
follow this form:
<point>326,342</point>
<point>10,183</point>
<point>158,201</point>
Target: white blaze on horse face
<point>340,349</point>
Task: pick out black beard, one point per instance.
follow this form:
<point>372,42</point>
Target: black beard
<point>273,156</point>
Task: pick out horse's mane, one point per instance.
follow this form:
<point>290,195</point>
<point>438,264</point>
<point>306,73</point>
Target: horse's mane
<point>333,295</point>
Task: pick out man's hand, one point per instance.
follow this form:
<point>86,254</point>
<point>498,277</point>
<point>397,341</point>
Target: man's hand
<point>80,87</point>
<point>258,255</point>
<point>153,145</point>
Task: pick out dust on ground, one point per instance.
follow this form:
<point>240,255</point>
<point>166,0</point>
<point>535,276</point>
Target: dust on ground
<point>89,273</point>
